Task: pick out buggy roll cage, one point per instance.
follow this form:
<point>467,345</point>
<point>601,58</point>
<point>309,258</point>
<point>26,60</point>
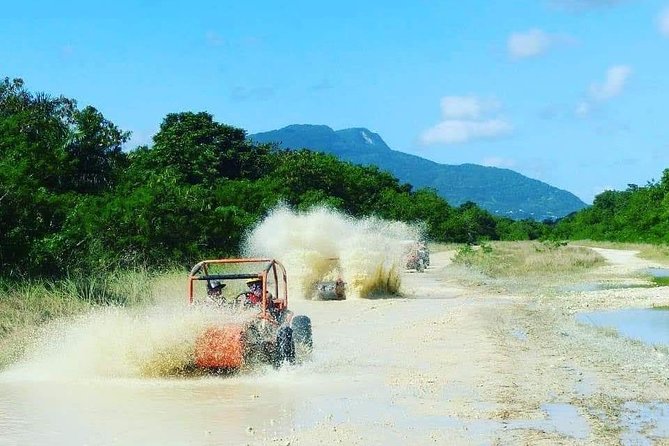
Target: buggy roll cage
<point>268,268</point>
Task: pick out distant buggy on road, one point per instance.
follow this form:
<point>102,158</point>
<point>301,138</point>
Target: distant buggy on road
<point>417,255</point>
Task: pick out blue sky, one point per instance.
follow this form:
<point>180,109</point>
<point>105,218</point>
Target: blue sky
<point>570,92</point>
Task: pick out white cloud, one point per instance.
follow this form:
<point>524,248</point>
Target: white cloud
<point>535,42</point>
<point>464,119</point>
<point>496,161</point>
<point>528,44</point>
<point>663,22</point>
<point>454,131</point>
<point>613,85</point>
<point>466,107</point>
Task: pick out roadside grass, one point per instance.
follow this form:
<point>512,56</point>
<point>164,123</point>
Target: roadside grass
<point>524,267</point>
<point>169,286</point>
<point>527,259</point>
<point>25,305</point>
<point>657,253</point>
<point>661,281</point>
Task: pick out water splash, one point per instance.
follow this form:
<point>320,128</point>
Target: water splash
<point>323,244</point>
<point>114,342</point>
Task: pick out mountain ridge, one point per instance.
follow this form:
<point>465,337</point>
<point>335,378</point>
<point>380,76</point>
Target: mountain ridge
<point>501,191</point>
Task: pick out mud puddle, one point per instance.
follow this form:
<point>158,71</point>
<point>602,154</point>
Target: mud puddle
<point>561,418</point>
<point>600,286</point>
<point>646,325</point>
<point>645,422</point>
<point>657,272</point>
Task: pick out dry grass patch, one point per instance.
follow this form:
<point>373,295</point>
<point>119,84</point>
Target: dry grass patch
<point>33,303</point>
<point>527,259</point>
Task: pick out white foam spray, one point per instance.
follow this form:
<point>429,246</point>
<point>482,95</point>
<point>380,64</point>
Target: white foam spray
<point>368,253</point>
<point>114,342</point>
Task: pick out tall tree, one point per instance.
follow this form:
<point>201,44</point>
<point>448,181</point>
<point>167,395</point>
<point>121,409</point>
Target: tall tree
<point>203,151</point>
<point>93,152</point>
<point>50,152</point>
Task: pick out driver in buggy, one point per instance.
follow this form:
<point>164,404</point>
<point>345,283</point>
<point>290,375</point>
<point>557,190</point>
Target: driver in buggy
<point>254,294</point>
<point>253,298</point>
<point>215,289</point>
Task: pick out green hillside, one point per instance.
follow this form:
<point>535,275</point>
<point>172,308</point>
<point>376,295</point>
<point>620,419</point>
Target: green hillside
<point>502,192</point>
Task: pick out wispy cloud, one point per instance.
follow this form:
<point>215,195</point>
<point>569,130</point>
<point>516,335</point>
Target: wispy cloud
<point>240,94</point>
<point>466,118</point>
<point>528,44</point>
<point>663,22</point>
<point>466,107</point>
<point>457,131</point>
<point>616,78</point>
<point>534,42</point>
<point>613,85</point>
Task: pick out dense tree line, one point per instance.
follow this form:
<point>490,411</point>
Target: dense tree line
<point>637,214</point>
<point>71,199</point>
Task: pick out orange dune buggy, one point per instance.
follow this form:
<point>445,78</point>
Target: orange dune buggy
<point>272,335</point>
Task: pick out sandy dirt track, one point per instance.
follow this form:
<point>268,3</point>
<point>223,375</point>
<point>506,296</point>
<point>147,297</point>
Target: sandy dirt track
<point>444,364</point>
<point>451,365</point>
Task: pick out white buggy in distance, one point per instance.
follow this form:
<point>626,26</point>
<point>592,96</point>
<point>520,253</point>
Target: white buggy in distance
<point>416,255</point>
<point>332,289</point>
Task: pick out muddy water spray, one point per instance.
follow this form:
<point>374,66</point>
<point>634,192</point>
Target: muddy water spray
<point>368,252</point>
<point>118,343</point>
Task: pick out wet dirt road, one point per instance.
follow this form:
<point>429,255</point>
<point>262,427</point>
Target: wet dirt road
<point>443,365</point>
<point>369,373</point>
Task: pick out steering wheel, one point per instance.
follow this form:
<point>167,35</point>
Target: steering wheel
<point>240,299</point>
<point>217,299</point>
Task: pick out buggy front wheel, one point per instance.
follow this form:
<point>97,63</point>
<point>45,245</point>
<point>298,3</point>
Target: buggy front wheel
<point>285,347</point>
